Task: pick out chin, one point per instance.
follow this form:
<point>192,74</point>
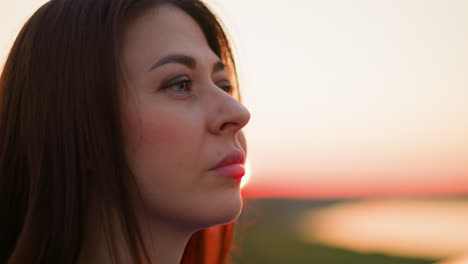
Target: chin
<point>222,210</point>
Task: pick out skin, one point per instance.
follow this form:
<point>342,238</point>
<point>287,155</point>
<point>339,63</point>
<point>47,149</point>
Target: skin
<point>176,131</point>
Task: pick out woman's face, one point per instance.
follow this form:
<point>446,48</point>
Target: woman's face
<point>180,121</point>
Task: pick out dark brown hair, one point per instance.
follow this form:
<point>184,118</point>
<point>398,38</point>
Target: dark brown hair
<point>61,150</point>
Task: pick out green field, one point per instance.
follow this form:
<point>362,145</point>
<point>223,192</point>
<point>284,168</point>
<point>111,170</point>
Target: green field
<point>266,234</point>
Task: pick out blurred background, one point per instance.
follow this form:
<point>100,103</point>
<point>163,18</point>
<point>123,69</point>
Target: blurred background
<point>359,129</point>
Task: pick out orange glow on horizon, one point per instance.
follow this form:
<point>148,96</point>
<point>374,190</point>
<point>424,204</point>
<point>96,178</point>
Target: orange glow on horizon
<point>349,193</point>
<point>318,185</point>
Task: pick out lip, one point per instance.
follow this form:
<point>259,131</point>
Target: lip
<point>232,165</point>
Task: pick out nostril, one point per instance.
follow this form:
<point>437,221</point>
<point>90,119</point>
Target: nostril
<point>229,125</point>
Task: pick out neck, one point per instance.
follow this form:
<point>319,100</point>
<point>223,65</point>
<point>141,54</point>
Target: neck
<point>164,243</point>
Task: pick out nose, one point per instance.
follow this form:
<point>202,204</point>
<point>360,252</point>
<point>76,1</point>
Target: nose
<point>228,116</point>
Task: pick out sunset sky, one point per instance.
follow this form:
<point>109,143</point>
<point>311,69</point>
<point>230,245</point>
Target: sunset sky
<point>348,98</point>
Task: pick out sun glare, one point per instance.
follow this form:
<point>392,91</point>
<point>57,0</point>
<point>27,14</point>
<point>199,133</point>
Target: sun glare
<point>247,174</point>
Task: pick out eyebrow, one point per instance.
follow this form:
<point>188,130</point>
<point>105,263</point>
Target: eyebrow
<point>188,61</point>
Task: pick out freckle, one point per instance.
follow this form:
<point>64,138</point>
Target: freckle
<point>218,153</point>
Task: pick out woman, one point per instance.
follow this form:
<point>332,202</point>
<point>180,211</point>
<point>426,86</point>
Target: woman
<point>120,135</point>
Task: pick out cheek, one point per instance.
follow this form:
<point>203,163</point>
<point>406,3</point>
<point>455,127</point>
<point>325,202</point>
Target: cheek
<point>161,143</point>
<point>161,151</point>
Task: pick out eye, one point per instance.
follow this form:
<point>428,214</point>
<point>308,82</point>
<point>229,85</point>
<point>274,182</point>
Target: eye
<point>181,85</point>
<point>225,86</point>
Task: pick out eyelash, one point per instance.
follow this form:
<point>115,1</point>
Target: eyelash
<point>186,82</point>
<point>188,85</point>
<point>227,88</point>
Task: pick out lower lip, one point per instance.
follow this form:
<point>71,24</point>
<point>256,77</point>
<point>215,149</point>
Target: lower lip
<point>233,171</point>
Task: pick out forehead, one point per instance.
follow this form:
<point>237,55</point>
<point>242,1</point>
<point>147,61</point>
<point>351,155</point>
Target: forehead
<point>160,31</point>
